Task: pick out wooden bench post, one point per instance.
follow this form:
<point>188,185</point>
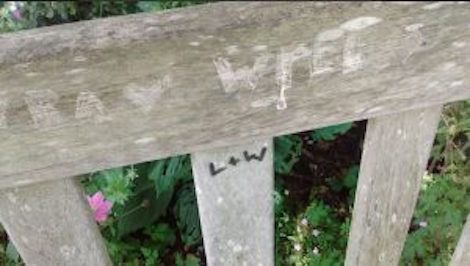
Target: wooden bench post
<point>50,223</point>
<point>234,188</point>
<point>461,255</point>
<point>396,151</point>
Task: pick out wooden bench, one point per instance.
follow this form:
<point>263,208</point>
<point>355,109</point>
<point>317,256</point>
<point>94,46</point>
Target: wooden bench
<point>219,81</point>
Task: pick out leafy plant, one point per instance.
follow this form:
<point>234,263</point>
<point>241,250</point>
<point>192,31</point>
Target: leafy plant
<point>143,208</point>
<point>143,194</point>
<point>452,144</point>
<point>149,6</point>
<point>190,260</point>
<point>347,183</point>
<point>444,200</point>
<point>12,254</point>
<point>438,220</point>
<point>331,132</point>
<point>44,13</point>
<point>315,237</point>
<point>187,215</point>
<point>116,184</point>
<point>287,153</point>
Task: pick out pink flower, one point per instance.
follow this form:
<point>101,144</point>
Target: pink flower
<point>100,206</point>
<point>16,14</point>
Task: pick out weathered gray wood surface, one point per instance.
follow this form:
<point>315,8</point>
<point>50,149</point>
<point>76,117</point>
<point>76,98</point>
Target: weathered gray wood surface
<point>50,223</point>
<point>234,188</point>
<point>99,94</point>
<point>461,255</point>
<point>396,150</point>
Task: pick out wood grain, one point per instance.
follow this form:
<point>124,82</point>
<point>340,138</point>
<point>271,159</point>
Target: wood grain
<point>396,150</point>
<point>461,255</point>
<point>99,94</point>
<point>51,224</point>
<point>235,200</point>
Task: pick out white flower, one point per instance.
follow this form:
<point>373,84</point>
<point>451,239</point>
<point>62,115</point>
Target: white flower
<point>13,6</point>
<point>297,247</point>
<point>423,224</point>
<point>316,251</point>
<point>286,192</point>
<point>427,177</point>
<point>304,221</point>
<point>315,232</point>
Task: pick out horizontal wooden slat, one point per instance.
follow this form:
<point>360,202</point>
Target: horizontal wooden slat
<point>99,94</point>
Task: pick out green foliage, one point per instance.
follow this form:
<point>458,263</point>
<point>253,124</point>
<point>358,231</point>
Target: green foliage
<point>317,213</point>
<point>8,254</point>
<point>44,13</point>
<point>331,132</point>
<point>347,183</point>
<point>444,200</point>
<point>452,145</point>
<point>287,153</point>
<point>190,260</point>
<point>149,6</point>
<point>187,215</point>
<point>144,208</point>
<point>315,237</point>
<point>116,184</point>
<point>161,233</point>
<point>166,173</point>
<point>439,217</point>
<point>143,194</point>
<point>150,256</point>
<point>12,254</point>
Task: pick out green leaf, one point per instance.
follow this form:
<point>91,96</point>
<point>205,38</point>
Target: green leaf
<point>166,173</point>
<point>287,151</point>
<point>179,259</point>
<point>192,260</point>
<point>143,208</point>
<point>189,261</point>
<point>317,213</point>
<point>118,184</point>
<point>150,256</point>
<point>331,132</point>
<point>148,6</point>
<point>187,215</point>
<point>161,233</point>
<point>11,253</point>
<point>350,180</point>
<point>162,182</point>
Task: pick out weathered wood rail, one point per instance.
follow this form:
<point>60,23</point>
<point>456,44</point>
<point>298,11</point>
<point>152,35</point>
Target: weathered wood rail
<point>220,81</point>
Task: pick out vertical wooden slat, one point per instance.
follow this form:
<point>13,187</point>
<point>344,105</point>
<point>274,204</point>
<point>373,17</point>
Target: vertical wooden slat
<point>461,255</point>
<point>234,188</point>
<point>396,149</point>
<point>51,224</point>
